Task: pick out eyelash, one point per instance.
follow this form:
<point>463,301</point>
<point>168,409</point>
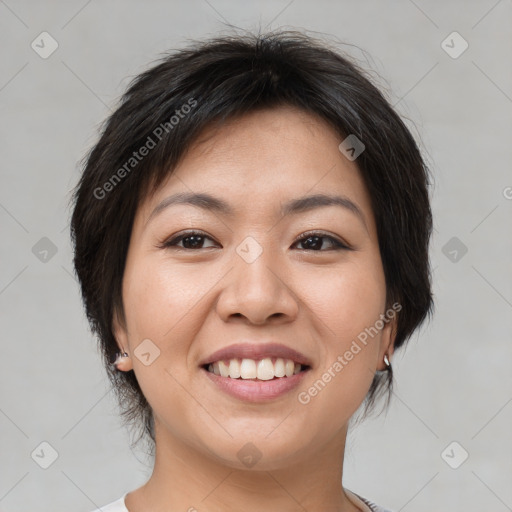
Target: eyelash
<point>337,244</point>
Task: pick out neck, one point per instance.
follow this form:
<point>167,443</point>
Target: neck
<point>186,479</point>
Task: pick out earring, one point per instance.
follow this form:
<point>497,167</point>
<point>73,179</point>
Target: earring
<point>386,361</point>
<point>119,356</point>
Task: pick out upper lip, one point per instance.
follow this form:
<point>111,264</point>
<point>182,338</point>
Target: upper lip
<point>256,351</point>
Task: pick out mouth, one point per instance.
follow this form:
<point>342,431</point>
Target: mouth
<point>268,368</point>
<point>255,372</point>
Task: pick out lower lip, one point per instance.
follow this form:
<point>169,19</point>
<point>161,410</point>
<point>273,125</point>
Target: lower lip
<point>256,390</point>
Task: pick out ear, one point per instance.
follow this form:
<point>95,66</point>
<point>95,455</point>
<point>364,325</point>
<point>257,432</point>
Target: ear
<point>387,343</point>
<point>124,364</point>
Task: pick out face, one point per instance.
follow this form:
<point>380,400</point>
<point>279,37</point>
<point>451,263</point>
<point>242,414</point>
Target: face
<point>267,278</point>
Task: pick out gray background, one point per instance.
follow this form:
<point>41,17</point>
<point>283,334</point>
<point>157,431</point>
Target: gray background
<point>454,381</point>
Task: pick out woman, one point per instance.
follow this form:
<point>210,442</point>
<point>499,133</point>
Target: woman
<point>251,237</point>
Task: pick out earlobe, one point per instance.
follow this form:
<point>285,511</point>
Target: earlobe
<point>123,362</point>
<point>387,345</point>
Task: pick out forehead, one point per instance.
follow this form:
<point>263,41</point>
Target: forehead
<point>265,158</point>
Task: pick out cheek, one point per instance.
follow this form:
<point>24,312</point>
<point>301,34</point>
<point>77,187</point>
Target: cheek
<point>154,303</point>
<point>347,300</point>
<point>348,304</point>
<point>163,304</point>
<point>157,296</point>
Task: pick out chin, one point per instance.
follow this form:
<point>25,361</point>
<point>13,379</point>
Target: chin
<point>254,449</point>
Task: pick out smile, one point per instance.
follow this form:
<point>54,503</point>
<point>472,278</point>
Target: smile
<point>255,381</point>
<point>251,369</point>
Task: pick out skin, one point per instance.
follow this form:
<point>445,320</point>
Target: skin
<point>192,302</point>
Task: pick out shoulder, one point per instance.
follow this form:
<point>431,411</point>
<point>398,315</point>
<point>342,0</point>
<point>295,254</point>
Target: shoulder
<point>115,506</point>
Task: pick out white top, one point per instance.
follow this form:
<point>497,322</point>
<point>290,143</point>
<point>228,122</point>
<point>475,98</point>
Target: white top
<point>362,503</point>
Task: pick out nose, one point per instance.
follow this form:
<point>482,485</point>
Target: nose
<point>259,291</point>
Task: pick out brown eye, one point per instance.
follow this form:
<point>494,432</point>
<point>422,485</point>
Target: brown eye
<point>191,240</point>
<point>315,242</point>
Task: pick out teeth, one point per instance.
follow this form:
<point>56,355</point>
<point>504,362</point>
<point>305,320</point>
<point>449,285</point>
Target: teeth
<point>234,369</point>
<point>263,369</point>
<point>248,369</point>
<point>224,369</point>
<point>279,370</point>
<point>289,367</point>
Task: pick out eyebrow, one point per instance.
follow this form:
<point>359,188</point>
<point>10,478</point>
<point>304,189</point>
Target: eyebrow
<point>294,206</point>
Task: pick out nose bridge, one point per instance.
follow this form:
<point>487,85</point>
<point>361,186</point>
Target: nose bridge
<point>256,289</point>
<point>255,260</point>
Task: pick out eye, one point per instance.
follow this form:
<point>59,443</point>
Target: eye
<point>314,242</point>
<point>191,240</point>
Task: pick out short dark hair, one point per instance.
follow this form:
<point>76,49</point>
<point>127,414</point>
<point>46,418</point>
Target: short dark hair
<point>164,110</point>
